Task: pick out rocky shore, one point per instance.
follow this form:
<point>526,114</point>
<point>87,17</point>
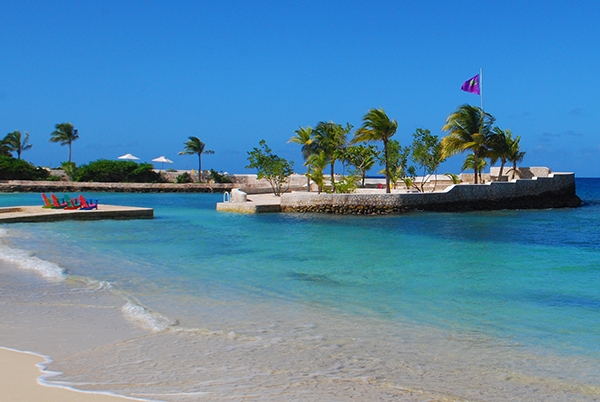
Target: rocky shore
<point>565,199</point>
<point>555,191</point>
<point>25,186</point>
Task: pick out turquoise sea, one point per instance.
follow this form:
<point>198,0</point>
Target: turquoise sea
<point>482,306</point>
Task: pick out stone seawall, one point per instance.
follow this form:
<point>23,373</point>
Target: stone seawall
<point>25,186</point>
<point>555,191</point>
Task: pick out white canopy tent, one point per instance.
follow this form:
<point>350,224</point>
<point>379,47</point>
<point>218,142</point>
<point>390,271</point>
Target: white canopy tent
<point>128,157</point>
<point>162,160</point>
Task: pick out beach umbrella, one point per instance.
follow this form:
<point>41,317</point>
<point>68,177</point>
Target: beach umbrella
<point>128,157</point>
<point>163,160</point>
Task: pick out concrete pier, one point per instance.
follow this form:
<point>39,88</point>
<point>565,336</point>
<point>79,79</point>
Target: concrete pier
<point>39,214</point>
<point>256,203</point>
<point>555,191</point>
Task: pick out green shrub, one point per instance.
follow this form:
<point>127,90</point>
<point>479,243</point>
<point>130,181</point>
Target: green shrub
<point>184,178</point>
<point>218,177</point>
<point>346,184</point>
<point>144,173</point>
<point>70,169</point>
<point>18,169</point>
<point>108,171</point>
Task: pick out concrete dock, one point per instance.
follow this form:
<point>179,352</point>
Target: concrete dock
<point>39,214</point>
<point>256,203</point>
<point>548,190</point>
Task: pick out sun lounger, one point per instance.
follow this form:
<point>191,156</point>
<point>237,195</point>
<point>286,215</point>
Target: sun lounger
<point>47,202</point>
<point>85,205</point>
<point>57,204</point>
<point>72,204</point>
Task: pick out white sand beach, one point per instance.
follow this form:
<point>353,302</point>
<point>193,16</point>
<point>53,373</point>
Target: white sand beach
<point>19,382</point>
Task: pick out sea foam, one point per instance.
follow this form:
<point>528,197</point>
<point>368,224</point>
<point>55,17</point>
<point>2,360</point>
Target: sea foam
<point>25,260</point>
<point>44,378</point>
<point>145,318</point>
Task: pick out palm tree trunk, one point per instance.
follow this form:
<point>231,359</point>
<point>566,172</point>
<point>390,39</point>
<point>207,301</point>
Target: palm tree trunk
<point>69,151</point>
<point>387,168</point>
<point>501,167</point>
<point>332,176</point>
<point>476,167</point>
<point>199,165</point>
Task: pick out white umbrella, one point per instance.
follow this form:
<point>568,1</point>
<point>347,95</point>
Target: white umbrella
<point>163,160</point>
<point>128,157</point>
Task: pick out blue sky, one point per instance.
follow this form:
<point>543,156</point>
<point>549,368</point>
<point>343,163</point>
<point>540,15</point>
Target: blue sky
<point>140,77</point>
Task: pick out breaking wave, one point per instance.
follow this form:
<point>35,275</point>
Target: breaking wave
<point>146,318</point>
<point>24,260</point>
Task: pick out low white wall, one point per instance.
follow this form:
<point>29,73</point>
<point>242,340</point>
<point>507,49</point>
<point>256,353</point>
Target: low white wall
<point>522,172</point>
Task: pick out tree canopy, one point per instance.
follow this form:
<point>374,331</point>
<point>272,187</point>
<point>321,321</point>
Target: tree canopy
<point>469,129</point>
<point>16,143</point>
<point>330,137</point>
<point>377,126</point>
<point>426,152</point>
<point>270,166</point>
<point>195,146</point>
<point>65,133</point>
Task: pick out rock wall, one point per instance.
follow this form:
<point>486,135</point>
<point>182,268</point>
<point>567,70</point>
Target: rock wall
<point>25,186</point>
<point>555,191</point>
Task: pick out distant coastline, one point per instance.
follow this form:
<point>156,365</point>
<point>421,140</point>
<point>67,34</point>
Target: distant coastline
<point>26,186</point>
<point>539,189</point>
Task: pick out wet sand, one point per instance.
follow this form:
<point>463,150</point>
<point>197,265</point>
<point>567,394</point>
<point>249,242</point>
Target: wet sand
<point>19,382</point>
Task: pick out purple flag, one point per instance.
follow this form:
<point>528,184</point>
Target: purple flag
<point>471,85</point>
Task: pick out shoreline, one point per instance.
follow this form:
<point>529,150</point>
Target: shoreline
<point>67,359</point>
<point>27,186</point>
<point>23,378</point>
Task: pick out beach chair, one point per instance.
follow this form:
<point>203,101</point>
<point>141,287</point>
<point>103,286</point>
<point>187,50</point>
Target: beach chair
<point>47,202</point>
<point>57,204</point>
<point>72,204</point>
<point>85,205</point>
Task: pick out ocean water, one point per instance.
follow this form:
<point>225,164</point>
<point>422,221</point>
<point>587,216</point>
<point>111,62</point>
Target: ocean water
<point>205,305</point>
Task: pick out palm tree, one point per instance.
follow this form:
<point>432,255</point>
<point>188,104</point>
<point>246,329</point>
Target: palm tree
<point>304,137</point>
<point>469,129</point>
<point>362,158</point>
<point>5,149</point>
<point>377,126</point>
<point>329,138</point>
<point>515,155</point>
<point>65,133</point>
<point>15,143</point>
<point>498,148</point>
<point>471,164</point>
<point>500,141</point>
<point>195,146</point>
<point>317,162</point>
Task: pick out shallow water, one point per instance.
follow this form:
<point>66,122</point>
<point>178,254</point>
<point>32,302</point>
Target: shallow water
<point>481,306</point>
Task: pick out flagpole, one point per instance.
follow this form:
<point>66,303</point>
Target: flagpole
<point>481,87</point>
<point>482,113</point>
